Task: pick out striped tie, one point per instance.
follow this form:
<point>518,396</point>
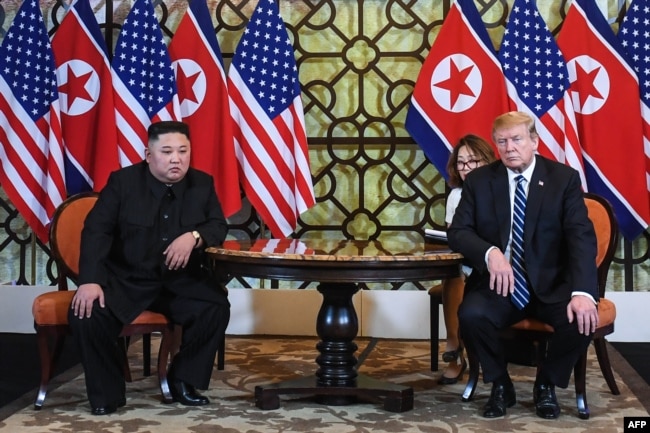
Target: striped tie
<point>520,296</point>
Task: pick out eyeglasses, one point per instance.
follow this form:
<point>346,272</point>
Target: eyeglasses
<point>470,165</point>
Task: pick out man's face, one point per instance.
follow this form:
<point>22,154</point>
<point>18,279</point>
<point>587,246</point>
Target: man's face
<point>516,147</point>
<point>169,157</point>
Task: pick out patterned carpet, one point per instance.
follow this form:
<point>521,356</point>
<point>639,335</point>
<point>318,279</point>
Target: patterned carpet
<point>252,361</point>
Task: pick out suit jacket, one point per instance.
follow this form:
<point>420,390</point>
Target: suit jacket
<point>121,245</point>
<point>559,239</point>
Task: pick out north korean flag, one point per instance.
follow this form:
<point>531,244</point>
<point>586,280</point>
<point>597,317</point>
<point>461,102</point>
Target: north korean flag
<point>605,95</point>
<point>85,90</point>
<point>460,89</point>
<point>203,96</point>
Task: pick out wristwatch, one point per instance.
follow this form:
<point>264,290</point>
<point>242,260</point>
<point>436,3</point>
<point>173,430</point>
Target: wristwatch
<point>197,237</point>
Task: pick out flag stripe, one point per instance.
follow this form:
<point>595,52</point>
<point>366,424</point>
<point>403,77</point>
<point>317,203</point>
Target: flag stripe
<point>253,153</point>
<point>203,97</point>
<point>537,81</point>
<point>31,154</point>
<point>604,91</point>
<point>87,118</point>
<point>460,89</point>
<point>132,122</point>
<point>269,131</point>
<point>635,39</point>
<point>144,87</point>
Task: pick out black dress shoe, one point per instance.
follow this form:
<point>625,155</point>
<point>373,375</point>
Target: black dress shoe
<point>501,397</point>
<point>546,405</point>
<point>186,394</point>
<point>109,408</point>
<point>445,380</point>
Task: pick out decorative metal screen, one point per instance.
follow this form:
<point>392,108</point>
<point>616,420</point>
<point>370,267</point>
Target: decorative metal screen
<point>358,61</point>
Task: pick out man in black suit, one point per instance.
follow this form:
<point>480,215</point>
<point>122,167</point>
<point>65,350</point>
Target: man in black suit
<point>142,248</point>
<point>559,254</point>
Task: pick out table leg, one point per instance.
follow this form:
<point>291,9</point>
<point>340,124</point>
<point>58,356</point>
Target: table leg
<point>336,381</point>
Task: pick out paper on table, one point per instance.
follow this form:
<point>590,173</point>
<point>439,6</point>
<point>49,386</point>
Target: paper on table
<point>437,236</point>
<point>435,233</point>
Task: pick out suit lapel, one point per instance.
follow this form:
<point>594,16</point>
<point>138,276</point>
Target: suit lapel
<point>500,192</point>
<point>536,191</point>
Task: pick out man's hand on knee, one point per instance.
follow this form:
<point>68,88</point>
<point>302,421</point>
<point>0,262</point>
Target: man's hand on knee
<point>82,302</point>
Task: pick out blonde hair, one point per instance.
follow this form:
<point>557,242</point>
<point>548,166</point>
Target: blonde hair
<point>514,118</point>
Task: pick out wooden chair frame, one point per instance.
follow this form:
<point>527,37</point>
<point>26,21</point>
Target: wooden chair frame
<point>51,335</point>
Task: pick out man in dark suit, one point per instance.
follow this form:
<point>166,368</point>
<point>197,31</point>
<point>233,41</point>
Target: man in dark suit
<point>142,248</point>
<point>558,270</point>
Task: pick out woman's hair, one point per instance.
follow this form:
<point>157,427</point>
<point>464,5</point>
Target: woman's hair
<point>478,146</point>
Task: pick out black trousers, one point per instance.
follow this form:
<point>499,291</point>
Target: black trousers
<point>204,325</point>
<point>483,313</point>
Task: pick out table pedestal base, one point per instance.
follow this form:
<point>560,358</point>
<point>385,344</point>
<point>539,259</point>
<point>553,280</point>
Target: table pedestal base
<point>337,381</point>
<point>395,398</point>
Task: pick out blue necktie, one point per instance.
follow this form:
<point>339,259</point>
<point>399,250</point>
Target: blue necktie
<point>521,295</point>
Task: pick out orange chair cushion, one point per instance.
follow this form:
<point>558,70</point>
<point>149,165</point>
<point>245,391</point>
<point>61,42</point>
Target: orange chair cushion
<point>601,221</point>
<point>436,290</point>
<point>51,308</point>
<point>530,324</point>
<point>67,230</point>
<point>150,318</point>
<point>606,312</point>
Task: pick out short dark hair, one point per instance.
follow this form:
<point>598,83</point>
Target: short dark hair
<point>165,127</point>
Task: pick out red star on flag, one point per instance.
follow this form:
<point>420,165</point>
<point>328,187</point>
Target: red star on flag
<point>587,86</point>
<point>75,87</point>
<point>456,84</point>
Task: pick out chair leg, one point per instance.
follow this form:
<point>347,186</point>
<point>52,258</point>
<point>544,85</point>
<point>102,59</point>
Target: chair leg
<point>47,365</point>
<point>579,377</point>
<point>434,320</point>
<point>600,344</point>
<point>166,347</point>
<point>472,380</point>
<point>146,355</point>
<point>221,354</point>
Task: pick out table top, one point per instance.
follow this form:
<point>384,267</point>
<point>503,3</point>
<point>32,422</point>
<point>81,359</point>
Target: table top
<point>395,258</point>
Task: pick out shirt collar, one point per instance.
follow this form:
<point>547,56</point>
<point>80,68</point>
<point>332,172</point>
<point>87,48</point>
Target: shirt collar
<point>527,174</point>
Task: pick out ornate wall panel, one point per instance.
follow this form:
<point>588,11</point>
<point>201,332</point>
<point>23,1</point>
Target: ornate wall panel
<point>358,61</point>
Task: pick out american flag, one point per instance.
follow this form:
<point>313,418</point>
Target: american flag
<point>605,95</point>
<point>143,81</point>
<point>538,82</point>
<point>203,95</point>
<point>31,152</point>
<point>86,92</point>
<point>634,35</point>
<point>460,89</point>
<point>270,138</point>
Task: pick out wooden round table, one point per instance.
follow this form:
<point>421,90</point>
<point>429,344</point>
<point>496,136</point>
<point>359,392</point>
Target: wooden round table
<point>338,265</point>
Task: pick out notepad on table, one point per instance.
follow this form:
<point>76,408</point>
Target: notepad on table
<point>437,236</point>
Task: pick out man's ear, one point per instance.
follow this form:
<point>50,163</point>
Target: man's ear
<point>147,153</point>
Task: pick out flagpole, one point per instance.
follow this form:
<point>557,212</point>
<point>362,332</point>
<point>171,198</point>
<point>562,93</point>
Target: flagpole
<point>262,236</point>
<point>33,242</point>
<point>262,229</point>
